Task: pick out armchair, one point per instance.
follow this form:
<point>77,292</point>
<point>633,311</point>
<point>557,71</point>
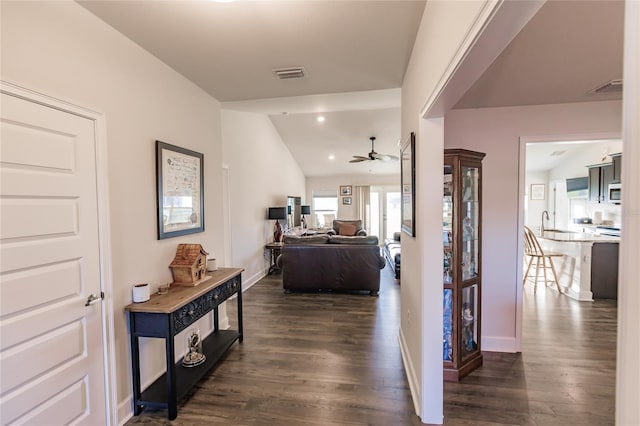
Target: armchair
<point>347,228</point>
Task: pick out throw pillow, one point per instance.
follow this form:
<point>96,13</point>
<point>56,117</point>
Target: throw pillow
<point>347,230</point>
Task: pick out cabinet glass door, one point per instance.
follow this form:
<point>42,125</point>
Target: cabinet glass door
<point>470,219</point>
<point>447,225</point>
<point>469,335</point>
<point>447,325</point>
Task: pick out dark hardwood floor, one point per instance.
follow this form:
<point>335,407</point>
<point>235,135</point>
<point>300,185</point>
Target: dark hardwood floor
<point>334,359</point>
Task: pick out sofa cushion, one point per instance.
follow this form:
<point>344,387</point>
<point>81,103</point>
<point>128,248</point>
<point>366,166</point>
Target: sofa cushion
<point>347,230</point>
<point>312,239</point>
<point>370,240</point>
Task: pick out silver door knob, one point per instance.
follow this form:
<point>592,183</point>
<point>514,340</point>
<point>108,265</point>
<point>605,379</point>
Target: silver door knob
<point>93,299</point>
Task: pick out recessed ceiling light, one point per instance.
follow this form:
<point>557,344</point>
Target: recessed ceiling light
<point>332,157</point>
<point>320,119</point>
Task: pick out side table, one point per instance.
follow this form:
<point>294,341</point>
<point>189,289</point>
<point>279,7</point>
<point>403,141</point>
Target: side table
<point>274,251</point>
<point>164,316</point>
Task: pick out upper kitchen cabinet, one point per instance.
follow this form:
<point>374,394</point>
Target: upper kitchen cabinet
<point>600,176</point>
<point>617,167</point>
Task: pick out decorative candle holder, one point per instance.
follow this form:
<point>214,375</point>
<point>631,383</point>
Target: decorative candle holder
<point>194,355</point>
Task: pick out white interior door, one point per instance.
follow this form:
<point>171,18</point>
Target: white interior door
<point>51,346</point>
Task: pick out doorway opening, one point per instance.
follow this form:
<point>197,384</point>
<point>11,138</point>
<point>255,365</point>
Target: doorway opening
<point>385,211</point>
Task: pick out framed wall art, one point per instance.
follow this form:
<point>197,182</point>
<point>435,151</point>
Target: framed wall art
<point>180,186</point>
<point>537,191</point>
<point>408,185</point>
<point>345,190</point>
<point>346,201</point>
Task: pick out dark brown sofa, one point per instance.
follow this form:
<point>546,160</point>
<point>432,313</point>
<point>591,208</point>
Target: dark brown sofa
<point>325,262</point>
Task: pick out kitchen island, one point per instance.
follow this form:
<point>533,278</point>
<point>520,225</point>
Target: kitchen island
<point>590,263</point>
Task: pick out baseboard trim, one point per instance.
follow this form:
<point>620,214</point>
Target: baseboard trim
<point>252,280</point>
<point>499,344</point>
<point>412,378</point>
<point>125,411</point>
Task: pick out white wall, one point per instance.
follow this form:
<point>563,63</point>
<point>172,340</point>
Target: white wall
<point>534,208</point>
<point>262,174</point>
<point>443,28</point>
<point>62,50</point>
<point>628,368</point>
<point>497,132</point>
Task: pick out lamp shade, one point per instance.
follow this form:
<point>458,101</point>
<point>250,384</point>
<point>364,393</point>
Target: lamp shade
<point>276,213</point>
<point>305,209</point>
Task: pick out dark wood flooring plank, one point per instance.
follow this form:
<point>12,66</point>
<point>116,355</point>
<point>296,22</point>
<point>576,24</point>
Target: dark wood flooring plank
<point>320,359</point>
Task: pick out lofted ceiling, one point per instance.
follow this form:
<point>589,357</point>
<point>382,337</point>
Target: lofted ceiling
<point>354,55</point>
<point>231,49</point>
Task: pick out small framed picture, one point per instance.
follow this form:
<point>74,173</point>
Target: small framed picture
<point>537,191</point>
<point>345,191</point>
<point>346,200</point>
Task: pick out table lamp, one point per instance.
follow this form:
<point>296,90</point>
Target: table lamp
<point>277,213</point>
<point>304,210</point>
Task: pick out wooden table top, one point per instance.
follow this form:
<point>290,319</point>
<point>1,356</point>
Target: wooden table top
<point>179,296</point>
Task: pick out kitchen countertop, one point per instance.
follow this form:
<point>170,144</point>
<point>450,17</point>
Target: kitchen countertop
<point>578,237</point>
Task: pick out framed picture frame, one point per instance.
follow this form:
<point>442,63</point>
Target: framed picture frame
<point>537,191</point>
<point>408,185</point>
<point>347,201</point>
<point>345,190</point>
<point>180,190</point>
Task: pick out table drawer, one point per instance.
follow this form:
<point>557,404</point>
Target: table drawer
<point>193,311</point>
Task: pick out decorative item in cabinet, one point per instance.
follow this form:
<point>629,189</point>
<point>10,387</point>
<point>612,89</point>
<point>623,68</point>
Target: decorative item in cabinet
<point>461,240</point>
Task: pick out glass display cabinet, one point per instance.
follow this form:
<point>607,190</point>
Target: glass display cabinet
<point>461,241</point>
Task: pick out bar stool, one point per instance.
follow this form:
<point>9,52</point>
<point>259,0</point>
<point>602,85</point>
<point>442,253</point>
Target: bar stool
<point>533,249</point>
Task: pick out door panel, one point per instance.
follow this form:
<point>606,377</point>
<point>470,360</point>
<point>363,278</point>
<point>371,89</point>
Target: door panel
<point>51,353</point>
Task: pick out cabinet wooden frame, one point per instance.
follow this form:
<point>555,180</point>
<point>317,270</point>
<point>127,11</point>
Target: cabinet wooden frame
<point>462,363</point>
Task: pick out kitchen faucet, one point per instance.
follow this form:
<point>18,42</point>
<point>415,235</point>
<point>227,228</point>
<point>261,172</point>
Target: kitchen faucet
<point>544,213</point>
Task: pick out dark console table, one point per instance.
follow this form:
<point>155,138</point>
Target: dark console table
<point>164,316</point>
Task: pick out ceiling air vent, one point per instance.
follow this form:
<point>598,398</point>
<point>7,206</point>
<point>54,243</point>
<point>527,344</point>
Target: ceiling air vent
<point>286,73</point>
<point>613,86</point>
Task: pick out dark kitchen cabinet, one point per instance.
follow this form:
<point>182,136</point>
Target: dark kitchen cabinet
<point>617,167</point>
<point>604,270</point>
<point>600,176</point>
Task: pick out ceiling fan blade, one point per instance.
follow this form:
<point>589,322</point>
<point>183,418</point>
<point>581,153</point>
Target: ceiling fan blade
<point>358,159</point>
<point>384,157</point>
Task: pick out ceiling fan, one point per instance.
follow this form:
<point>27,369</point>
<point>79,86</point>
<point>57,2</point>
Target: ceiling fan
<point>373,155</point>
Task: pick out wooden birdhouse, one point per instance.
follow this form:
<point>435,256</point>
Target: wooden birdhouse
<point>189,266</point>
